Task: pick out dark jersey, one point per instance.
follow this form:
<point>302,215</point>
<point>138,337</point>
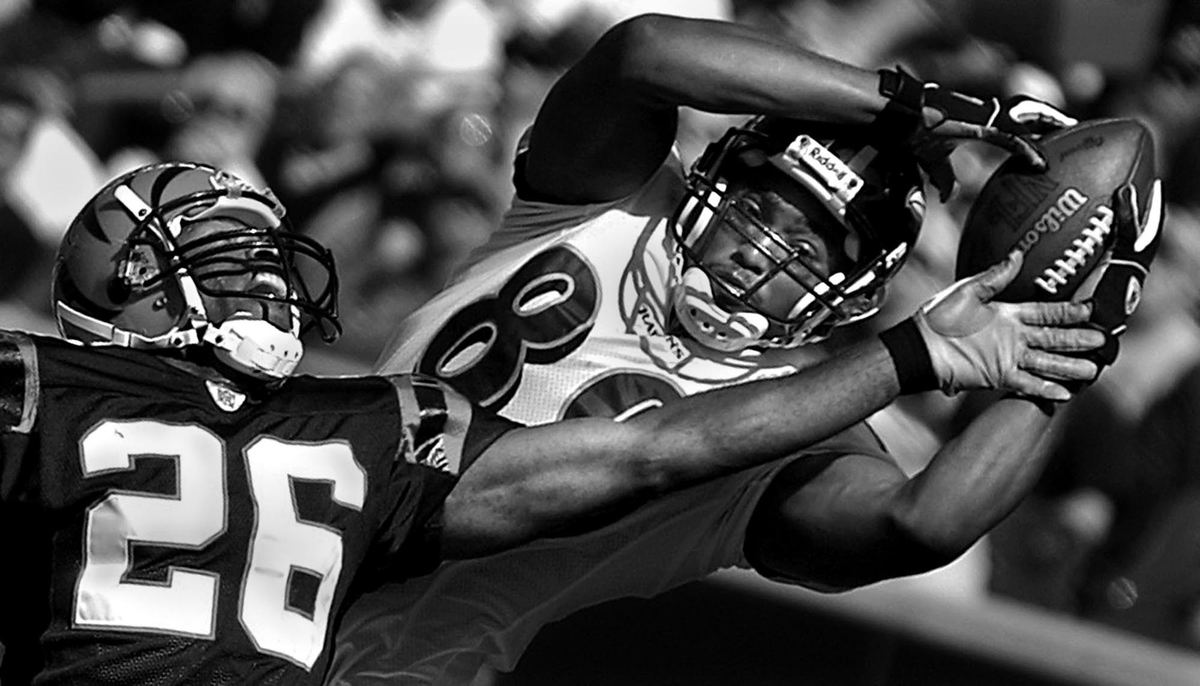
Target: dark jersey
<point>200,536</point>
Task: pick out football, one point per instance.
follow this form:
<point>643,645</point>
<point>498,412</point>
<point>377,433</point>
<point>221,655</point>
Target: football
<point>1060,218</point>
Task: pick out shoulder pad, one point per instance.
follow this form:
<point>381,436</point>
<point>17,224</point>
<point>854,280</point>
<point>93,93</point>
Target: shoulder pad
<point>18,382</point>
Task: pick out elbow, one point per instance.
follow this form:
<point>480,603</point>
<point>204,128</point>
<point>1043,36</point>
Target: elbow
<point>920,546</point>
<point>637,50</point>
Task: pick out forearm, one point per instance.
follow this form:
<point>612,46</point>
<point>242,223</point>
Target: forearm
<point>977,478</point>
<point>561,471</point>
<point>750,424</point>
<point>728,68</point>
<point>611,120</point>
<point>536,480</point>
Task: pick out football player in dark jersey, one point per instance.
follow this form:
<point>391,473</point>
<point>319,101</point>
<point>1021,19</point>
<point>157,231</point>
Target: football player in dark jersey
<point>206,512</point>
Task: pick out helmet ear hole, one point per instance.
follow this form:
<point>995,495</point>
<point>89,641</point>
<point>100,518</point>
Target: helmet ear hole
<point>752,158</point>
<point>118,291</point>
<point>170,298</point>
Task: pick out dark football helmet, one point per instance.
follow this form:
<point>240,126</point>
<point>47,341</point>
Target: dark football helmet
<point>875,195</point>
<point>133,265</point>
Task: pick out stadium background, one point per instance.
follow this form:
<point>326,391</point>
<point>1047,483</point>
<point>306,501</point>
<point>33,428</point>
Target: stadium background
<point>386,128</point>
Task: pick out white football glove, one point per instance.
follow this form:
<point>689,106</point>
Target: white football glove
<point>977,343</point>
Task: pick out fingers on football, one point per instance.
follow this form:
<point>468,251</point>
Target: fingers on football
<point>996,277</point>
<point>1023,149</point>
<point>1134,237</point>
<point>1039,116</point>
<point>1076,339</point>
<point>1053,313</point>
<point>1125,208</point>
<point>1033,386</point>
<point>1049,366</point>
<point>1151,232</point>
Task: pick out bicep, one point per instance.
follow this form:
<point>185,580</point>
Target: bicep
<point>824,522</point>
<point>597,136</point>
<point>846,497</point>
<point>611,119</point>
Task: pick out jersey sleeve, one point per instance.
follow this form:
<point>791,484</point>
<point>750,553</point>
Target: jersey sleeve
<point>857,439</point>
<point>443,434</point>
<point>18,410</point>
<point>530,217</point>
<point>442,429</point>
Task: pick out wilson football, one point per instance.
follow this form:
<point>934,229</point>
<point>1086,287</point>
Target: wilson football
<point>1061,218</point>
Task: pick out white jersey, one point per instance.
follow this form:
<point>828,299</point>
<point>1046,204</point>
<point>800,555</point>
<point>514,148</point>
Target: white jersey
<point>564,313</point>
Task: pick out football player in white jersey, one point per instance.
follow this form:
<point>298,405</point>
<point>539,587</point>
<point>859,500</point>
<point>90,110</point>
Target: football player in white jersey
<point>618,283</point>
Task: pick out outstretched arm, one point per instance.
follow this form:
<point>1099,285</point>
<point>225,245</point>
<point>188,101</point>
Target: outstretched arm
<point>610,121</point>
<point>871,522</point>
<point>535,481</point>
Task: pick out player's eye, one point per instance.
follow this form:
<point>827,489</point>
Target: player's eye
<point>750,207</point>
<point>747,205</point>
<point>806,248</point>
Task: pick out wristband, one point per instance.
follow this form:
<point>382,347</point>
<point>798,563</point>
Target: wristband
<point>910,356</point>
<point>902,116</point>
<point>902,88</point>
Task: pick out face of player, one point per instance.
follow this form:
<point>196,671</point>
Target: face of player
<point>252,277</point>
<point>774,221</point>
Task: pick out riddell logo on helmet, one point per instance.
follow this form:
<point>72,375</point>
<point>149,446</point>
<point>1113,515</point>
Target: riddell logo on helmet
<point>1067,204</point>
<point>841,179</point>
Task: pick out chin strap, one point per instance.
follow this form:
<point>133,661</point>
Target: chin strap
<point>255,346</point>
<point>73,324</point>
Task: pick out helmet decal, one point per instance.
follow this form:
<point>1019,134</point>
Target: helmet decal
<point>806,154</point>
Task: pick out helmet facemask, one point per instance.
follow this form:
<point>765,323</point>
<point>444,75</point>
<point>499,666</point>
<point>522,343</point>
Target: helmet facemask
<point>840,281</point>
<point>205,267</point>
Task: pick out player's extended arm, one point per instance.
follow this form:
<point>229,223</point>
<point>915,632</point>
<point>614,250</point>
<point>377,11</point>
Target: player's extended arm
<point>611,119</point>
<point>536,480</point>
<point>608,123</point>
<point>871,522</point>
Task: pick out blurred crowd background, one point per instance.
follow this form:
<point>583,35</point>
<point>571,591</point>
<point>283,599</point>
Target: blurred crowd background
<point>387,126</point>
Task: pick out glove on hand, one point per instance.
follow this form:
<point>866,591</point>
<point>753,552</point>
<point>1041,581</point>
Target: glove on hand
<point>931,120</point>
<point>975,343</point>
<point>1114,288</point>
